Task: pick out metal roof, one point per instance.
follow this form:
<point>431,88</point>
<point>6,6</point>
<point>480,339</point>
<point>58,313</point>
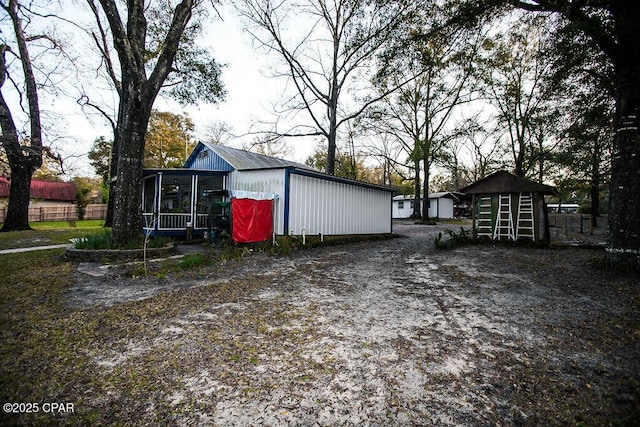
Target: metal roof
<point>46,190</point>
<point>224,158</point>
<point>245,160</point>
<point>505,182</point>
<point>443,194</point>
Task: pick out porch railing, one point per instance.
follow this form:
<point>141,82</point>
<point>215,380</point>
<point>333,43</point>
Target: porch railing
<point>148,220</point>
<point>173,221</point>
<point>202,220</point>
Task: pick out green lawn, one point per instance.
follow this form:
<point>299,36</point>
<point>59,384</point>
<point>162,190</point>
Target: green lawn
<point>49,233</point>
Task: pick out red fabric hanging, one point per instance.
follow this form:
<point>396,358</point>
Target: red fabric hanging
<point>252,220</point>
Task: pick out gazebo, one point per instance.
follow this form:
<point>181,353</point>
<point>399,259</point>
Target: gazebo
<point>508,207</point>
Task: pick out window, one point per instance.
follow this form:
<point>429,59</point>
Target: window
<point>400,205</point>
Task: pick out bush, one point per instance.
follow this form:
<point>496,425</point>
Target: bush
<point>191,261</point>
<point>455,239</point>
<point>103,240</point>
<point>95,241</point>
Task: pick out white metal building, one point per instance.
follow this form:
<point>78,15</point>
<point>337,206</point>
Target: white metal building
<point>307,201</point>
<point>441,205</point>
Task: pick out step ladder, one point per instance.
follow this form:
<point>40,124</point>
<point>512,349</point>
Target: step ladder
<point>525,225</point>
<point>504,219</point>
<point>485,218</point>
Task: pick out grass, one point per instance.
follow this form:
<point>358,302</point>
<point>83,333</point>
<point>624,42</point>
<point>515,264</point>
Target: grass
<point>48,348</point>
<point>49,233</point>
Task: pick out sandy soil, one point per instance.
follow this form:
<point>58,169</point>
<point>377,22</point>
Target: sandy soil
<point>392,332</point>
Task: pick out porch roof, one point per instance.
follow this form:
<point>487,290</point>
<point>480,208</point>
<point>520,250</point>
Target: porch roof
<point>182,172</point>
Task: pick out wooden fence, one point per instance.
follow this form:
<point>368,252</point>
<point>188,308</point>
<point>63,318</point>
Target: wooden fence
<point>59,213</point>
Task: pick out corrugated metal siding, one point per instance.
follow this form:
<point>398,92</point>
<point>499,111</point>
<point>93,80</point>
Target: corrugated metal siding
<point>271,181</point>
<point>320,206</point>
<point>211,161</point>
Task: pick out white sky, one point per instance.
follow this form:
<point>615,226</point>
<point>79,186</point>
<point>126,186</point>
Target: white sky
<point>250,95</point>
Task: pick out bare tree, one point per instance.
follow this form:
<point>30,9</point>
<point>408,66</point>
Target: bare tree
<point>419,114</point>
<point>340,39</point>
<point>192,74</point>
<point>612,28</point>
<point>145,65</point>
<point>515,68</point>
<point>23,159</point>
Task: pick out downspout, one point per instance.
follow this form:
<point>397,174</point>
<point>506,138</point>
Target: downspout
<point>287,196</point>
<point>391,216</point>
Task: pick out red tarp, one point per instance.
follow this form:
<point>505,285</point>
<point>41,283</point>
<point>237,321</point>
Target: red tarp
<point>252,220</point>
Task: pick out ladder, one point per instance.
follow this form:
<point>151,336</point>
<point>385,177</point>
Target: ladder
<point>485,218</point>
<point>525,226</point>
<point>504,219</point>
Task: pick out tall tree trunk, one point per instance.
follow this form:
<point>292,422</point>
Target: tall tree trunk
<point>127,218</point>
<point>23,161</point>
<point>595,182</point>
<point>331,150</point>
<point>332,113</point>
<point>624,202</point>
<point>136,99</point>
<point>426,165</point>
<point>113,173</point>
<point>417,198</point>
<point>18,210</point>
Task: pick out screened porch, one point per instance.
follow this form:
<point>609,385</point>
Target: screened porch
<point>176,202</point>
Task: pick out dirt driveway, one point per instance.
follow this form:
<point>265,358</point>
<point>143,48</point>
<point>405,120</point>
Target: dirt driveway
<point>388,332</point>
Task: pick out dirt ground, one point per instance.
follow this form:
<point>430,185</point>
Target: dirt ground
<point>389,332</point>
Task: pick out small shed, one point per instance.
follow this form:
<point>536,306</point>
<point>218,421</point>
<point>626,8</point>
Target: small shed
<point>508,207</point>
<point>305,201</point>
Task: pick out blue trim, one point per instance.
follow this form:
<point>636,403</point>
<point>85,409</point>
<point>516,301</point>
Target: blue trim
<point>213,161</point>
<point>332,178</point>
<point>287,196</point>
<point>176,233</point>
<point>183,172</point>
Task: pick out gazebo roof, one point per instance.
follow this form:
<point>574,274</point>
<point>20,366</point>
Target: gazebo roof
<point>504,182</point>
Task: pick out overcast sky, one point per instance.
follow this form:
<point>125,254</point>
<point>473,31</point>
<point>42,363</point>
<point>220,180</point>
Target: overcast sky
<point>251,94</point>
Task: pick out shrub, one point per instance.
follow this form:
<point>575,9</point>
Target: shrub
<point>95,241</point>
<point>103,240</point>
<point>455,239</point>
<point>191,261</point>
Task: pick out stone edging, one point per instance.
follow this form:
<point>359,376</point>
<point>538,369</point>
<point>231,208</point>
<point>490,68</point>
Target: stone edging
<point>103,255</point>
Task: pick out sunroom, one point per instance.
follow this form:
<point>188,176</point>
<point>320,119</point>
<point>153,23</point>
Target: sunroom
<point>182,201</point>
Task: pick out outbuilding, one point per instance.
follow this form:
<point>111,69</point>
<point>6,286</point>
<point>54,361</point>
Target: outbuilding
<point>303,200</point>
<point>48,200</point>
<point>508,207</point>
<point>441,205</point>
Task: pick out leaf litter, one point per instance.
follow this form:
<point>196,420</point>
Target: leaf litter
<point>387,332</point>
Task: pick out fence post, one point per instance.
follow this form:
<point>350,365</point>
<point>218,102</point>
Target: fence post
<point>71,219</point>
